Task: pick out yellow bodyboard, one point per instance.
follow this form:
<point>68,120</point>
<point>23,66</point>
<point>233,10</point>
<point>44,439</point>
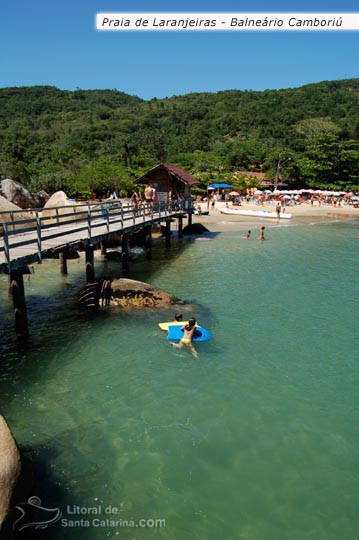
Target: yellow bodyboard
<point>165,325</point>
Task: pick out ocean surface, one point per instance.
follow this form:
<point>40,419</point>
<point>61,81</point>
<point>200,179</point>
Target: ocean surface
<point>257,439</point>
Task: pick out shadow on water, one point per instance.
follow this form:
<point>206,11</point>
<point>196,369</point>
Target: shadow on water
<point>46,493</point>
<point>50,502</point>
<point>22,362</point>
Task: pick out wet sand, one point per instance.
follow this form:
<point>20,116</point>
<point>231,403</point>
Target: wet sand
<point>302,214</point>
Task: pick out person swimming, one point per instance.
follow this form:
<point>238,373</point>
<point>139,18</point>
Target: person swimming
<point>188,332</point>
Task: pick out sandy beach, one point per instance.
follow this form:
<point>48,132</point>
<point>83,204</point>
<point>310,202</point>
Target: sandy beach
<point>302,214</point>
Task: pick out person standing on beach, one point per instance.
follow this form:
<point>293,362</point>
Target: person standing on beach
<point>261,233</point>
<point>278,209</point>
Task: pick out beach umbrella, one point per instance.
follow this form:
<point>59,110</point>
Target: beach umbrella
<point>355,198</point>
<point>258,192</point>
<point>234,193</point>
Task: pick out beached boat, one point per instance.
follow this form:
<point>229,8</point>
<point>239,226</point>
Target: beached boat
<point>254,213</point>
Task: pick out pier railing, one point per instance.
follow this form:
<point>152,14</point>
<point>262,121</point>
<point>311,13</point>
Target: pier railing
<point>88,219</point>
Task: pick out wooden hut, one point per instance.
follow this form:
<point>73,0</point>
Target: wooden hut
<point>165,177</point>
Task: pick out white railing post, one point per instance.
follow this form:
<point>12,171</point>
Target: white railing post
<point>38,237</point>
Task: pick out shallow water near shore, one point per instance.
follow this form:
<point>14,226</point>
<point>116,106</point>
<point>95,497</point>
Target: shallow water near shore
<point>256,439</point>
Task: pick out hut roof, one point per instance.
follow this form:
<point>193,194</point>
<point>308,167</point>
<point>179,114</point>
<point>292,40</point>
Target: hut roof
<point>180,174</point>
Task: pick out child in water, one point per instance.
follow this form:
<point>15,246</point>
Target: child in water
<point>188,331</point>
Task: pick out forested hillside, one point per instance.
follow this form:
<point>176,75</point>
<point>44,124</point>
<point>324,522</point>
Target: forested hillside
<point>89,140</point>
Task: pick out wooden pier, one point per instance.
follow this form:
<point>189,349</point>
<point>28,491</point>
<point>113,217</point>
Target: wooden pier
<point>87,226</point>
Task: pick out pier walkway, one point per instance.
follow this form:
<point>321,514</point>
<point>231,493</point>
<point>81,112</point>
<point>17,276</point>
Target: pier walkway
<point>53,230</point>
<point>29,237</point>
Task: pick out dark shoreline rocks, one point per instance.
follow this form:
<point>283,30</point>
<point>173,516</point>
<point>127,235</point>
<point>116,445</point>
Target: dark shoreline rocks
<point>15,479</point>
<point>195,228</point>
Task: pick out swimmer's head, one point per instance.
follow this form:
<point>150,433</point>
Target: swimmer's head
<point>192,321</point>
<point>178,317</point>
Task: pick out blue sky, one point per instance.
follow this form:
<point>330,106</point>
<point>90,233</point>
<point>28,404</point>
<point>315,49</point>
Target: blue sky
<point>54,42</point>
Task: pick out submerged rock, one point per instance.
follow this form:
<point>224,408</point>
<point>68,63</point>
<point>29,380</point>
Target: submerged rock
<point>131,293</point>
<point>127,293</point>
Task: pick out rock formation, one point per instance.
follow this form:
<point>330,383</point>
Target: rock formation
<point>17,194</point>
<point>60,199</point>
<point>131,293</point>
<point>6,208</point>
<point>126,293</point>
<point>10,469</point>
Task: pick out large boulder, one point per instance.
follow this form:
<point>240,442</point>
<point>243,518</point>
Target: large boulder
<point>10,470</point>
<point>6,213</point>
<point>17,194</point>
<point>40,198</point>
<point>57,206</point>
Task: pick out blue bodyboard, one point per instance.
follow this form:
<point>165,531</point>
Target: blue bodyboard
<point>175,333</point>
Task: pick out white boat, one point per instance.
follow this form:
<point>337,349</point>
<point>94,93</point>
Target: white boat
<point>254,213</point>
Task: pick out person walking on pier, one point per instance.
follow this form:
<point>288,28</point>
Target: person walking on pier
<point>149,197</point>
<point>136,200</point>
<point>149,193</point>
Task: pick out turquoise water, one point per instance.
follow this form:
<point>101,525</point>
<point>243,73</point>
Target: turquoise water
<point>257,439</point>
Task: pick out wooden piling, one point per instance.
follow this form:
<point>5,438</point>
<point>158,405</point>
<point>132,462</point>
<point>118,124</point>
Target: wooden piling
<point>63,262</point>
<point>148,242</point>
<point>19,302</point>
<point>103,249</point>
<point>180,227</point>
<point>168,234</point>
<point>125,263</point>
<point>90,264</point>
